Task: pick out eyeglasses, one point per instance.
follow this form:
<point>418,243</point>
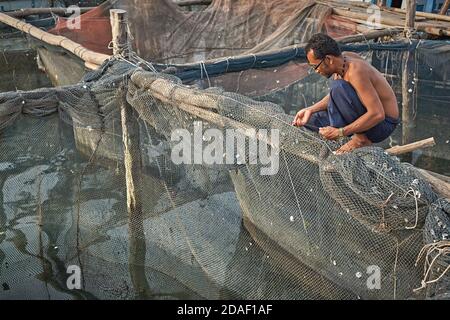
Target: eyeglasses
<point>315,67</point>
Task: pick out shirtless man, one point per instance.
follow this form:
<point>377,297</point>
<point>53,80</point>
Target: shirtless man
<point>361,103</point>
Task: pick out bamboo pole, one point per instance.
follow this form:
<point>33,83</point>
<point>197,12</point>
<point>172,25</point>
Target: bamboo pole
<point>119,29</point>
<point>130,129</point>
<point>438,184</point>
<point>87,55</point>
<point>410,15</point>
<point>339,22</point>
<point>444,8</point>
<point>186,3</point>
<point>132,157</point>
<point>428,15</point>
<point>370,35</point>
<point>392,21</point>
<point>397,150</point>
<point>164,91</point>
<point>430,29</point>
<point>423,27</point>
<point>38,11</point>
<point>384,19</point>
<point>345,6</point>
<point>343,3</point>
<point>133,174</point>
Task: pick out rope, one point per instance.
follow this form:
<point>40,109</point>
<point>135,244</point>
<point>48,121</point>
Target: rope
<point>295,193</point>
<point>383,225</point>
<point>443,249</point>
<point>254,60</point>
<point>395,268</point>
<point>415,195</point>
<point>203,67</point>
<point>228,64</point>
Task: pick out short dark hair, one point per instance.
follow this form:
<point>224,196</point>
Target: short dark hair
<point>323,45</point>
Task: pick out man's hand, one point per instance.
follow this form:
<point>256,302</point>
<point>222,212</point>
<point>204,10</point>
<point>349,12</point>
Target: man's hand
<point>329,133</point>
<point>302,117</point>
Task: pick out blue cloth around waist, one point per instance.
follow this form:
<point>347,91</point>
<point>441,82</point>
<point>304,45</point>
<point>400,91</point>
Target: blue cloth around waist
<point>344,108</point>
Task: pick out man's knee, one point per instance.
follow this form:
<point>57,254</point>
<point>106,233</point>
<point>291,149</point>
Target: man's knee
<point>345,101</point>
<point>343,88</point>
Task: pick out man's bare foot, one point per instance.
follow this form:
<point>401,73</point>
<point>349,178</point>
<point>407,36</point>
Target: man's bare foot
<point>357,141</point>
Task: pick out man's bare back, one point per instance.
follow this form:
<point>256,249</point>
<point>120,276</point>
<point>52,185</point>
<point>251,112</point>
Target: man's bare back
<point>379,82</point>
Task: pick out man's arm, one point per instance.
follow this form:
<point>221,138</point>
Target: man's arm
<point>302,117</point>
<point>370,99</point>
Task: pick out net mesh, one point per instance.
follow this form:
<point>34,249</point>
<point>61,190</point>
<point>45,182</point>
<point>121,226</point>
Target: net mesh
<point>163,32</point>
<point>320,227</point>
<point>92,29</point>
<point>79,190</point>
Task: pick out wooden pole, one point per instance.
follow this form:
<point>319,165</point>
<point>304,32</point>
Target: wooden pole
<point>119,29</point>
<point>89,56</point>
<point>133,164</point>
<point>130,128</point>
<point>133,174</point>
<point>369,35</point>
<point>397,150</point>
<point>132,156</point>
<point>393,21</point>
<point>185,3</point>
<point>36,11</point>
<point>438,182</point>
<point>166,92</point>
<point>432,16</point>
<point>389,20</point>
<point>410,15</point>
<point>444,8</point>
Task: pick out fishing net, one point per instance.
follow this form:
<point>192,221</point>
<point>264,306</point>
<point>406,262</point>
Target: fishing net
<point>319,226</point>
<point>252,208</point>
<point>92,29</point>
<point>20,71</point>
<point>164,32</point>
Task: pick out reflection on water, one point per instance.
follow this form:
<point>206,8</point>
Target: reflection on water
<point>62,208</point>
<point>19,71</point>
<point>58,209</point>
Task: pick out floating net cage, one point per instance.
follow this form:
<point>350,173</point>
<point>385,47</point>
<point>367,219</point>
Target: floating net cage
<point>215,230</point>
<point>363,225</point>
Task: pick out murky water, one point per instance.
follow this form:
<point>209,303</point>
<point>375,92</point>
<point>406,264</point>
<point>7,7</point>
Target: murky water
<point>19,71</point>
<point>60,208</point>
